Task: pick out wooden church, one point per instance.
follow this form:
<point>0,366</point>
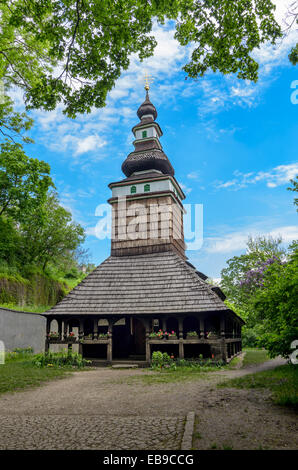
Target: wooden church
<point>146,296</point>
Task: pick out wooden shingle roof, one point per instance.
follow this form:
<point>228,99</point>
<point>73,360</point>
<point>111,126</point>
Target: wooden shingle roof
<point>158,283</point>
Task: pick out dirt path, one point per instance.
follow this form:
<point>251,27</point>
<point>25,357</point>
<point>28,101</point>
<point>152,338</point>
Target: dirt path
<point>101,409</point>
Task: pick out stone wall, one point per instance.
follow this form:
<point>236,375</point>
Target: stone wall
<point>22,329</point>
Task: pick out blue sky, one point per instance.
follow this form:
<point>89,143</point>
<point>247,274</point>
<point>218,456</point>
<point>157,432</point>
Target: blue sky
<point>233,145</point>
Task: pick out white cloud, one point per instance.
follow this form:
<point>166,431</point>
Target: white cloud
<point>185,188</point>
<point>91,142</point>
<point>194,175</point>
<point>276,177</point>
<point>237,241</point>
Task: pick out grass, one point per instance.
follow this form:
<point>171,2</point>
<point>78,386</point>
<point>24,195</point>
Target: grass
<point>27,308</point>
<point>282,381</point>
<point>186,374</point>
<point>181,374</point>
<point>19,375</point>
<point>19,372</point>
<point>254,356</point>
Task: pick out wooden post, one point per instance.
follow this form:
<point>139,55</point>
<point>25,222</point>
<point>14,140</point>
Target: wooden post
<point>224,351</point>
<point>202,328</point>
<point>48,329</point>
<point>164,324</point>
<point>180,327</point>
<point>65,329</point>
<point>148,348</point>
<point>222,326</point>
<point>60,329</point>
<point>181,349</point>
<point>81,329</point>
<point>110,343</point>
<point>95,328</point>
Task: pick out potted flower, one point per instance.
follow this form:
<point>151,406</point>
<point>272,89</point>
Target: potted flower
<point>88,336</point>
<point>191,335</point>
<point>53,335</point>
<point>213,334</point>
<point>71,337</point>
<point>172,335</point>
<point>103,336</point>
<point>156,335</point>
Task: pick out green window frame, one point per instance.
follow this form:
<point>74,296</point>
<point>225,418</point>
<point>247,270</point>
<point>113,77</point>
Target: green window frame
<point>147,188</point>
<point>133,189</point>
<point>144,134</point>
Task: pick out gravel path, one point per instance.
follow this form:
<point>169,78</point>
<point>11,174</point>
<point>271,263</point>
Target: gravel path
<point>101,409</point>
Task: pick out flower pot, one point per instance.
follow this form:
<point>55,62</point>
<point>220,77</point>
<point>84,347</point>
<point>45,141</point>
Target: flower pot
<point>191,337</point>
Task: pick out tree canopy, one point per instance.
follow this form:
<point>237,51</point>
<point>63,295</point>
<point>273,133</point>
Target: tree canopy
<point>262,287</point>
<point>24,181</point>
<point>73,51</point>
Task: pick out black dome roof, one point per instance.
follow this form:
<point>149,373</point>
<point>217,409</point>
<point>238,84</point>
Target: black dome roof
<point>147,108</point>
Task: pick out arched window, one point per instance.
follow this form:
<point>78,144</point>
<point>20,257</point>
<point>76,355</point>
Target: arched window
<point>133,190</point>
<point>146,188</point>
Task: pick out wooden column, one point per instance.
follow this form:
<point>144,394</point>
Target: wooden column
<point>181,345</point>
<point>64,329</point>
<point>164,324</point>
<point>224,349</point>
<point>110,343</point>
<point>81,329</point>
<point>202,328</point>
<point>222,326</point>
<point>48,329</point>
<point>60,328</point>
<point>81,335</point>
<point>148,348</point>
<point>180,327</point>
<point>95,328</point>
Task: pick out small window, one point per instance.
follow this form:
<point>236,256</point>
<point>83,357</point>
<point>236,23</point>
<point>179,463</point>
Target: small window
<point>133,190</point>
<point>147,188</point>
<point>144,134</point>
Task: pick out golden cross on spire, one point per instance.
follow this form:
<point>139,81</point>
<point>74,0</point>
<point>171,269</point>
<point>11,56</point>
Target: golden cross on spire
<point>148,79</point>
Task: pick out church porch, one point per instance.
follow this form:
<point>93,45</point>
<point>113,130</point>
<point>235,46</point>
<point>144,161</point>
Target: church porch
<point>135,338</point>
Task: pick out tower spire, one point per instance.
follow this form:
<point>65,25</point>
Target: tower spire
<point>148,79</point>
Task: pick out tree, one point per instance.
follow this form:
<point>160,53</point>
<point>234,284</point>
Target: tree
<point>243,274</point>
<point>77,49</point>
<point>275,305</point>
<point>50,235</point>
<point>292,19</point>
<point>24,181</point>
<point>294,188</point>
<point>13,125</point>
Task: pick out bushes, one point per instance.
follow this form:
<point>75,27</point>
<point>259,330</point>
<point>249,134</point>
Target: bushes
<point>250,337</point>
<point>164,361</point>
<point>161,360</point>
<point>60,359</point>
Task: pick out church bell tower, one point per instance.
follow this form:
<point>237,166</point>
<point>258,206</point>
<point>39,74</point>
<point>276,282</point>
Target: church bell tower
<point>147,210</point>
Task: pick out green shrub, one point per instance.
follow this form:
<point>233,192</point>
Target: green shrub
<point>250,337</point>
<point>161,360</point>
<point>65,358</point>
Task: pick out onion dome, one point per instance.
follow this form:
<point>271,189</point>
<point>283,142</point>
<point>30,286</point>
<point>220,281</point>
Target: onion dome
<point>148,153</point>
<point>147,109</point>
